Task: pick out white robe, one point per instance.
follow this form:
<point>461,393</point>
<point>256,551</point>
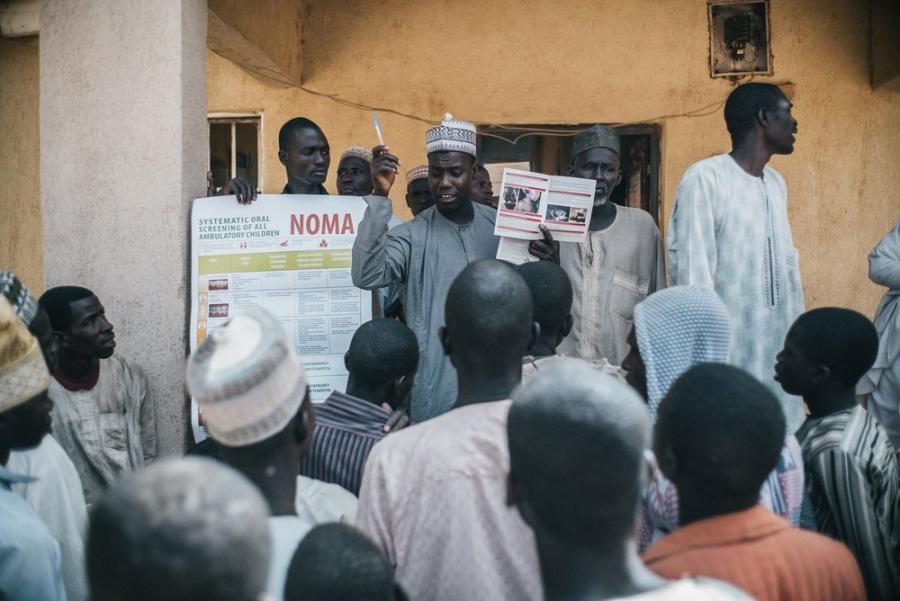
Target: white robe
<point>880,387</point>
<point>57,498</point>
<point>729,231</point>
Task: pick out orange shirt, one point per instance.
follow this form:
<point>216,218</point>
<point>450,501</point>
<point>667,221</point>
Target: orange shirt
<point>762,554</point>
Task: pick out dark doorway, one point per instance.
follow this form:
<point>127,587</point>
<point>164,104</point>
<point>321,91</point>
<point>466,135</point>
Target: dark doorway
<point>547,149</point>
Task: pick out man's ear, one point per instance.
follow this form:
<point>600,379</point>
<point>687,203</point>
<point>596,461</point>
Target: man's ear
<point>444,336</point>
<point>821,374</point>
<point>282,157</point>
<point>402,386</point>
<point>618,181</point>
<point>568,323</point>
<point>665,458</point>
<point>347,360</point>
<point>762,117</point>
<point>570,170</point>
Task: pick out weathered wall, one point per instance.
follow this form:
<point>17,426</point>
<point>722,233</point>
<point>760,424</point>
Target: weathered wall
<point>123,152</point>
<point>513,61</point>
<point>20,201</point>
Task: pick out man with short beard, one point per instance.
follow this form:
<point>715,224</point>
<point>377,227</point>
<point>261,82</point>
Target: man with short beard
<point>424,255</point>
<point>619,264</point>
<point>101,419</point>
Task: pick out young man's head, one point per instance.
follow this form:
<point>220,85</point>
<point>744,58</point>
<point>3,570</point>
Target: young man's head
<point>826,349</point>
<point>674,329</point>
<point>79,322</point>
<point>336,562</point>
<point>382,361</point>
<point>418,192</point>
<point>762,113</point>
<point>179,530</point>
<point>252,392</point>
<point>303,150</point>
<point>451,163</point>
<point>24,379</point>
<point>488,317</point>
<point>482,190</point>
<point>576,444</point>
<point>32,315</point>
<point>718,435</point>
<point>596,155</point>
<point>551,298</point>
<point>355,172</point>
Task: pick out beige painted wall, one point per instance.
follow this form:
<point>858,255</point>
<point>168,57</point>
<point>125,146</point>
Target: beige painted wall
<point>20,200</point>
<point>627,61</point>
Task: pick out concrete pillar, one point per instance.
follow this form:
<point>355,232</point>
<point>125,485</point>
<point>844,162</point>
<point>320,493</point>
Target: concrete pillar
<point>124,150</point>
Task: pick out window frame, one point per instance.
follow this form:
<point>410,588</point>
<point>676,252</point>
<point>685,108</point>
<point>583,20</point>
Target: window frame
<point>233,118</point>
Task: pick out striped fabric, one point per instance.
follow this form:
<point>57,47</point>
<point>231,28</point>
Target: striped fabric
<point>346,430</point>
<point>851,474</point>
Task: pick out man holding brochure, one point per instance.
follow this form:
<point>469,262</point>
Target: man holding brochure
<point>619,264</point>
<point>423,256</point>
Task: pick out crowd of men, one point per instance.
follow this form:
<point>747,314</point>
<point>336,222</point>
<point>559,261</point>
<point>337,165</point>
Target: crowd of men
<point>578,427</point>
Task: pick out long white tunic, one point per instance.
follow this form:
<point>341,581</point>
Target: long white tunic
<point>729,231</point>
<point>881,385</point>
<point>422,257</point>
<point>56,498</point>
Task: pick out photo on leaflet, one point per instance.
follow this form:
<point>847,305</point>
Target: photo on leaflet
<point>578,215</point>
<point>521,200</point>
<point>218,310</point>
<point>557,213</point>
<point>218,284</point>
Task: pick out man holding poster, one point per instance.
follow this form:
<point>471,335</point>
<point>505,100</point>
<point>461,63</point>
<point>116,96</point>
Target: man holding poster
<point>424,255</point>
<point>619,264</point>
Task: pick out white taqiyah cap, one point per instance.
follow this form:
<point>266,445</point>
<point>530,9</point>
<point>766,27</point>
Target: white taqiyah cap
<point>420,172</point>
<point>451,135</point>
<point>23,373</point>
<point>247,379</point>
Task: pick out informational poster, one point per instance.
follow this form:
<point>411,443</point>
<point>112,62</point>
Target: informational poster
<point>528,200</point>
<point>291,255</point>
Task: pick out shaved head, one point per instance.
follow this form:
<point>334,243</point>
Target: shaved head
<point>179,530</point>
<point>488,315</point>
<point>576,442</point>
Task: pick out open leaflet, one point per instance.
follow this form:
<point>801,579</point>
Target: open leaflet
<point>528,199</point>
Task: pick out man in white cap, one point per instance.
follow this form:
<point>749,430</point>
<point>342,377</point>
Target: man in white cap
<point>30,561</point>
<point>418,193</point>
<point>254,397</point>
<point>424,255</point>
<point>619,264</point>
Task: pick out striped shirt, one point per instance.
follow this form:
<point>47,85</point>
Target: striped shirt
<point>346,430</point>
<point>851,474</point>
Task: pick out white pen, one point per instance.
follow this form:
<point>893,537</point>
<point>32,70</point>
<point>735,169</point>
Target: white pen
<point>377,125</point>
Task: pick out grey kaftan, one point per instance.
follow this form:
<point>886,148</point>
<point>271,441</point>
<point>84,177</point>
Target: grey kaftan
<point>422,257</point>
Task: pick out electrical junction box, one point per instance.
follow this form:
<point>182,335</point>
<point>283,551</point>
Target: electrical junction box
<point>739,41</point>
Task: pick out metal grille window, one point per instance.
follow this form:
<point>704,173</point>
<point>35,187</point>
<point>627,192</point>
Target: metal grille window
<point>234,143</point>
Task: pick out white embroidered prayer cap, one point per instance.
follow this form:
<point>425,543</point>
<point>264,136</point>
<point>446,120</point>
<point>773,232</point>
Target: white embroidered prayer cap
<point>451,135</point>
<point>23,372</point>
<point>420,172</point>
<point>247,379</point>
<point>359,152</point>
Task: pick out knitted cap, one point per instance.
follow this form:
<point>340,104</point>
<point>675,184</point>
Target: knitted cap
<point>420,172</point>
<point>597,136</point>
<point>359,152</point>
<point>247,379</point>
<point>25,306</point>
<point>23,372</point>
<point>451,135</point>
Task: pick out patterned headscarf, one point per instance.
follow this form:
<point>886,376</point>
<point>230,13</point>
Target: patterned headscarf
<point>677,328</point>
<point>23,373</point>
<point>25,305</point>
